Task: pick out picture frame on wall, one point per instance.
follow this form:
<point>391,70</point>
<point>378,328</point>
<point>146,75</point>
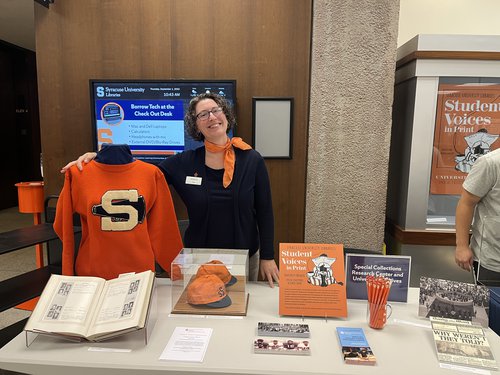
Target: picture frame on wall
<point>273,126</point>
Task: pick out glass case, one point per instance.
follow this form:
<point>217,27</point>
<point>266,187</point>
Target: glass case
<point>445,115</point>
<point>467,126</point>
<point>210,282</point>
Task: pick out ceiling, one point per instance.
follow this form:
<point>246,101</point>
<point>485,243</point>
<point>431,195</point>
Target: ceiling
<point>17,25</point>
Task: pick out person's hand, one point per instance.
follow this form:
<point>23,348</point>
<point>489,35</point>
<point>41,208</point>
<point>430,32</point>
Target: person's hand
<point>464,257</point>
<point>85,158</point>
<point>269,271</point>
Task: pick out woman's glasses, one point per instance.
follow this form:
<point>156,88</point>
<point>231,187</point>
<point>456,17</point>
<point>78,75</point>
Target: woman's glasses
<point>204,115</point>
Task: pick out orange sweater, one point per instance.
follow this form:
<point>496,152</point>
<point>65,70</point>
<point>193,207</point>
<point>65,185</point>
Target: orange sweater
<point>128,220</point>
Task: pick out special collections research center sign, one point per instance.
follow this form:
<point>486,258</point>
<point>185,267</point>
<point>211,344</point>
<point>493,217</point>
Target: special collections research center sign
<point>312,280</point>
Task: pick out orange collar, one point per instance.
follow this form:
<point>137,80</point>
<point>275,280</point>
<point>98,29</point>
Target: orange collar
<point>229,156</point>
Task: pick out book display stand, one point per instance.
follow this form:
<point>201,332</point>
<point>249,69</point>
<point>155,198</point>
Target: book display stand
<point>141,335</point>
<point>210,282</point>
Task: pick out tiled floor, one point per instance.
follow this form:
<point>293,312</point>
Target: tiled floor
<point>14,263</point>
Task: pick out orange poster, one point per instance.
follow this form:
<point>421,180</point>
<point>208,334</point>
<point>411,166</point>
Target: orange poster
<point>467,126</point>
<point>312,280</point>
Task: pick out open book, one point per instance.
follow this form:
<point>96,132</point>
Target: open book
<point>92,308</point>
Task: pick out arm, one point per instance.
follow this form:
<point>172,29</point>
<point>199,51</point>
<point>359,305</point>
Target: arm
<point>85,158</point>
<point>464,215</point>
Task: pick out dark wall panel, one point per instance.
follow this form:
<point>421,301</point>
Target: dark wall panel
<point>263,44</point>
<point>20,129</point>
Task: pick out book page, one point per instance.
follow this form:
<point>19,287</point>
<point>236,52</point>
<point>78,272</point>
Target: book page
<point>66,305</point>
<point>123,303</point>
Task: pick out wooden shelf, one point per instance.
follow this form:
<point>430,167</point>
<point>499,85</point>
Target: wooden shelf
<point>447,55</point>
<point>420,237</point>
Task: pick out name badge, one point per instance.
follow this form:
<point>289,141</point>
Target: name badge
<point>191,180</point>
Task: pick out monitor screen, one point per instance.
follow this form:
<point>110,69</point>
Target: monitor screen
<point>149,115</point>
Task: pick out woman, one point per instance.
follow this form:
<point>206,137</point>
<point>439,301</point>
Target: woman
<point>224,185</point>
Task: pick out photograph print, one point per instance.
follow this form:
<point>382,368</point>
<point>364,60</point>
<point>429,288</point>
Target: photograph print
<point>453,300</point>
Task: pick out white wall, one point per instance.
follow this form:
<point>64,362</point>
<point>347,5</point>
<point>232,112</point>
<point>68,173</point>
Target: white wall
<point>17,22</point>
<point>474,17</point>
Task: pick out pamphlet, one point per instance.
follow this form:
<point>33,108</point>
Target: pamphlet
<point>283,329</point>
<point>281,346</point>
<point>355,347</point>
<point>187,344</point>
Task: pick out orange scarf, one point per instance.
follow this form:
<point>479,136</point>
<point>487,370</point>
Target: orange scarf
<point>229,156</point>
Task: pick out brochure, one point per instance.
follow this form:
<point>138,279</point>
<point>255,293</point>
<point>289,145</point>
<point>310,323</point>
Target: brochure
<point>355,347</point>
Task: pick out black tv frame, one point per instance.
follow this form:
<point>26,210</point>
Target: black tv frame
<point>170,81</point>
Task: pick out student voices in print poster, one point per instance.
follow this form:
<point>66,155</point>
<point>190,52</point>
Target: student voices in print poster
<point>467,126</point>
<point>312,280</point>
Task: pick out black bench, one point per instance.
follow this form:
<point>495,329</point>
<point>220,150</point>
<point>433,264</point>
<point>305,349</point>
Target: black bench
<point>20,289</point>
<point>24,237</point>
<point>29,285</point>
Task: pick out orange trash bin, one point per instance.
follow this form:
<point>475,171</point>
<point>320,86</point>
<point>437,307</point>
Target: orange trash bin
<point>31,197</point>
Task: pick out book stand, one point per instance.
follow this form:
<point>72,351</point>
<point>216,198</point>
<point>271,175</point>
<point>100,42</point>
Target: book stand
<point>127,338</point>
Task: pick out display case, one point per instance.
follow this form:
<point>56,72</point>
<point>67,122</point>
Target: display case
<point>210,282</point>
<point>446,114</point>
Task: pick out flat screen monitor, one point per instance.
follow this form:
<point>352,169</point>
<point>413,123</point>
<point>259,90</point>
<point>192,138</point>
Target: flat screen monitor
<point>148,115</point>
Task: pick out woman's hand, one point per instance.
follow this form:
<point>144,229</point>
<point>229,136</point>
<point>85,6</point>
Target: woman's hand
<point>85,158</point>
<point>269,271</point>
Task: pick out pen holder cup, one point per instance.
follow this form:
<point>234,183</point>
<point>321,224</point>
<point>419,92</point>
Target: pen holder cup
<point>377,314</point>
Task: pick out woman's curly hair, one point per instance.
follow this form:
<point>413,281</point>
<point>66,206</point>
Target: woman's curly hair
<point>190,117</point>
